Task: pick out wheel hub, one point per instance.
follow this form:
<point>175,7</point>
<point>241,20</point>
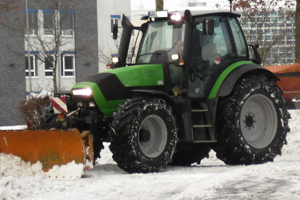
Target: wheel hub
<point>258,121</point>
<point>249,121</point>
<point>144,135</point>
<point>152,136</point>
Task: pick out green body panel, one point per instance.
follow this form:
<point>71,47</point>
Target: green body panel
<point>106,107</point>
<point>132,76</point>
<point>213,93</point>
<point>140,75</point>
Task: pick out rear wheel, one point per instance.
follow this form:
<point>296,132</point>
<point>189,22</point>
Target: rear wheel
<point>252,122</point>
<point>144,135</point>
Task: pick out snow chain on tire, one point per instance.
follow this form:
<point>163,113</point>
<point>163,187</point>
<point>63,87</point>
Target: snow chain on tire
<point>252,122</point>
<point>143,135</point>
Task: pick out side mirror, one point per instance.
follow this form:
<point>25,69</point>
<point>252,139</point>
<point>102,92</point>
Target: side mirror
<point>208,26</point>
<point>254,55</point>
<point>115,31</point>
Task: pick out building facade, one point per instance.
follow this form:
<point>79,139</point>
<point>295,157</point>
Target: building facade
<point>61,45</point>
<point>69,35</point>
<point>274,32</point>
<point>73,37</point>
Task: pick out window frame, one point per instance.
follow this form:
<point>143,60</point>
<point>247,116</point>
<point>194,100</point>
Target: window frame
<point>34,72</point>
<point>67,13</point>
<point>48,70</point>
<point>63,65</point>
<point>114,19</point>
<point>33,27</point>
<point>48,30</point>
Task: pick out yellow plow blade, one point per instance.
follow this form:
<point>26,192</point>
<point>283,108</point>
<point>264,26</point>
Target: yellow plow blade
<point>52,147</point>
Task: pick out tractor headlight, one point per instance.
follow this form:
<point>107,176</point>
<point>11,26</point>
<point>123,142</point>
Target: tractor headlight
<point>82,92</point>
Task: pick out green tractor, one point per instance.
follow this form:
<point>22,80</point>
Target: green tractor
<point>192,84</point>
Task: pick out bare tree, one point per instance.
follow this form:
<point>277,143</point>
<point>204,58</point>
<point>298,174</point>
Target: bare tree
<point>159,5</point>
<point>106,52</point>
<point>7,6</point>
<point>269,24</point>
<point>52,43</point>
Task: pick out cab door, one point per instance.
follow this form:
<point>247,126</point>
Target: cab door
<point>210,54</point>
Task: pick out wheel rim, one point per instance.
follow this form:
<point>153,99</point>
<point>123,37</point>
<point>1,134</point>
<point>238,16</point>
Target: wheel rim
<point>152,136</point>
<point>258,121</point>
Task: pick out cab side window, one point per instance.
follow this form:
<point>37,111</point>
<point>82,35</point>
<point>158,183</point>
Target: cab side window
<point>210,49</point>
<point>238,38</point>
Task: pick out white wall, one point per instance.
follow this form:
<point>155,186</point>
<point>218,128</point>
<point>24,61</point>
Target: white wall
<point>106,8</point>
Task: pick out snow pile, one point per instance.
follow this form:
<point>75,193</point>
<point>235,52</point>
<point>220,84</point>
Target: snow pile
<point>41,94</point>
<point>18,127</point>
<point>14,166</point>
<point>15,175</point>
<point>70,171</point>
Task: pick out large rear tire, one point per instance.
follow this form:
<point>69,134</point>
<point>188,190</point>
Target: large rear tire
<point>252,122</point>
<point>143,135</point>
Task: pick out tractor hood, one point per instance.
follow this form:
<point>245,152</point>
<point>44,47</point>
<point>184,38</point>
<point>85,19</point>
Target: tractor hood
<point>114,86</point>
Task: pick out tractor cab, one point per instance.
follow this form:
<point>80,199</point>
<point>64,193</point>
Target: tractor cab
<point>194,48</point>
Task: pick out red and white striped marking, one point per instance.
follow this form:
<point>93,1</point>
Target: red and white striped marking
<point>59,105</point>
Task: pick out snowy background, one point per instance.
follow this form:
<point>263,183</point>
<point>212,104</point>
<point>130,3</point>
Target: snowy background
<point>210,180</point>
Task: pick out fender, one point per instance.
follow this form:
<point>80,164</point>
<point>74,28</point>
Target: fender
<point>228,78</point>
<point>233,77</point>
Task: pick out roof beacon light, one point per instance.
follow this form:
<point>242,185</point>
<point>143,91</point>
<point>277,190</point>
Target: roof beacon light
<point>176,16</point>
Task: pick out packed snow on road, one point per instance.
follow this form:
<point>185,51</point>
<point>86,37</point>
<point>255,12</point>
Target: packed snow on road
<point>212,179</point>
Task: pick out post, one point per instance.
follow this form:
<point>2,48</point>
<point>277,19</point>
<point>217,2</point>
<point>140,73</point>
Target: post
<point>28,47</point>
<point>230,2</point>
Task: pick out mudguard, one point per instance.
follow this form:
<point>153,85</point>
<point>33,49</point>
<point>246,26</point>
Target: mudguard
<point>232,77</point>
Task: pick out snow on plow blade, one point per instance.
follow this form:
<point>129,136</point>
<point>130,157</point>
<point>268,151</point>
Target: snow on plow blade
<point>52,147</point>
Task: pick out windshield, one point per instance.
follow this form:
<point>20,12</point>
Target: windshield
<point>161,37</point>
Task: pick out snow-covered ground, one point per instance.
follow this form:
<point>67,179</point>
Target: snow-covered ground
<point>210,180</point>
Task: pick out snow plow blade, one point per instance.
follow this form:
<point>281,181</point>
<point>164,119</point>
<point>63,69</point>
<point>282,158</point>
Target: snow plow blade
<point>289,76</point>
<point>50,147</point>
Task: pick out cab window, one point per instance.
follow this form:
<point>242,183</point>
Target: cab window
<point>238,37</point>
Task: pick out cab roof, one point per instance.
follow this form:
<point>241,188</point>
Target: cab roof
<point>201,13</point>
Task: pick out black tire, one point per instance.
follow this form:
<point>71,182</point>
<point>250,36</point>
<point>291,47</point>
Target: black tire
<point>188,153</point>
<point>252,122</point>
<point>143,135</point>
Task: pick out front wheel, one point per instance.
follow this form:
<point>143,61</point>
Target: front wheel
<point>252,122</point>
<point>143,135</point>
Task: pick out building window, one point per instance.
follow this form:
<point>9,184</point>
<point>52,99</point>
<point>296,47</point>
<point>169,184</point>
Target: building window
<point>33,66</point>
<point>32,21</point>
<point>67,19</point>
<point>68,65</point>
<point>49,22</point>
<point>49,66</point>
<point>114,19</point>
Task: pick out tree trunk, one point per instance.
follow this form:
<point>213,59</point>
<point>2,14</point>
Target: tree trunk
<point>297,33</point>
<point>159,5</point>
<point>55,77</point>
